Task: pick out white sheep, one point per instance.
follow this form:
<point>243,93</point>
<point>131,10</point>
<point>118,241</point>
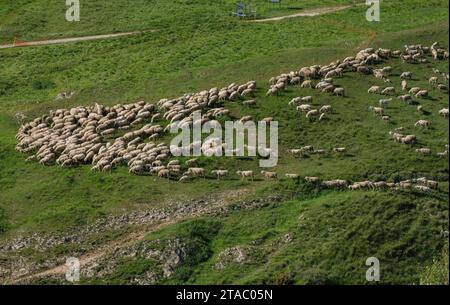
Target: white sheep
<point>377,110</point>
<point>406,75</point>
<point>326,109</point>
<point>388,91</point>
<point>374,89</point>
<point>433,80</point>
<point>384,102</point>
<point>306,84</point>
<point>245,174</point>
<point>304,108</point>
<point>424,150</point>
<point>422,94</point>
<point>444,112</point>
<point>422,123</point>
<point>312,114</point>
<point>220,173</point>
<point>292,176</point>
<point>339,92</point>
<point>269,175</point>
<point>196,172</point>
<point>404,85</point>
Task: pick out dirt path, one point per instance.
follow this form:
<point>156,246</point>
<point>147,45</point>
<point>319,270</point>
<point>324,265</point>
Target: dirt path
<point>71,39</point>
<point>306,13</point>
<point>220,201</point>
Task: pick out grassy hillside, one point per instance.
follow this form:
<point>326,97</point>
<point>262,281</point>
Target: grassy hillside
<point>40,19</point>
<point>197,47</point>
<point>316,240</point>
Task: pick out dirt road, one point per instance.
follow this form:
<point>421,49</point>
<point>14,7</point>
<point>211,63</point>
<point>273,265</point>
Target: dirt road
<point>306,13</point>
<point>71,39</point>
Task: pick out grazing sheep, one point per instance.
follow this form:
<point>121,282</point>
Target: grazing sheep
<point>245,119</point>
<point>339,149</point>
<point>220,173</point>
<point>405,98</point>
<point>374,89</point>
<point>422,94</point>
<point>424,150</point>
<point>361,185</point>
<point>304,108</point>
<point>414,90</point>
<point>422,123</point>
<point>380,185</point>
<point>295,101</point>
<point>307,99</point>
<point>433,80</point>
<point>196,172</point>
<point>404,85</point>
<point>444,112</point>
<point>364,70</point>
<point>443,87</point>
<point>307,148</point>
<point>191,162</point>
<point>386,118</point>
<point>326,109</point>
<point>312,180</point>
<point>249,103</point>
<point>312,114</point>
<point>245,174</point>
<point>272,91</point>
<point>409,139</point>
<point>443,154</point>
<point>432,184</point>
<point>388,91</point>
<point>269,175</point>
<point>328,89</point>
<point>339,92</point>
<point>248,92</point>
<point>296,152</point>
<point>406,75</point>
<point>292,176</point>
<point>319,152</point>
<point>422,188</point>
<point>335,184</point>
<point>384,102</point>
<point>377,110</point>
<point>306,84</point>
<point>164,173</point>
<point>184,178</point>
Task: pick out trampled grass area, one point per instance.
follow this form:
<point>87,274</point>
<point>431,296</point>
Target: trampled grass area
<point>196,47</point>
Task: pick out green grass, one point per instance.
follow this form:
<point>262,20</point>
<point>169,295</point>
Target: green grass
<point>198,46</point>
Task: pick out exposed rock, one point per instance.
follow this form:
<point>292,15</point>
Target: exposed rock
<point>64,95</point>
<point>231,255</point>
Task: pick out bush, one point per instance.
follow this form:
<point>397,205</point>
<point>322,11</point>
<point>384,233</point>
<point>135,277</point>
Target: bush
<point>43,84</point>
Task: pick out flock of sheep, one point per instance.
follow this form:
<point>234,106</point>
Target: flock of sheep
<point>360,63</point>
<point>107,137</point>
<point>82,135</point>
